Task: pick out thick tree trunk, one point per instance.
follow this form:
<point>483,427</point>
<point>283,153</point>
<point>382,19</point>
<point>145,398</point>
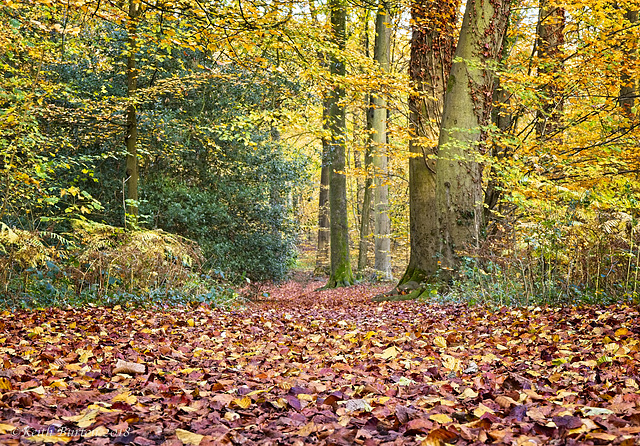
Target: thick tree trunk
<point>433,42</point>
<point>322,253</point>
<point>467,109</point>
<point>382,232</point>
<point>341,274</point>
<point>550,30</point>
<point>131,137</point>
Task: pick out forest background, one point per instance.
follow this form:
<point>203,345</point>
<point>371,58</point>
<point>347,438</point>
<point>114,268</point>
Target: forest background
<point>156,150</point>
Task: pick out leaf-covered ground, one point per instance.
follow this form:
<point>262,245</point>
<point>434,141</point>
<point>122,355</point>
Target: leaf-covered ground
<point>329,367</point>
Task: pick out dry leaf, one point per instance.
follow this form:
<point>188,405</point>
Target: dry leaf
<point>440,342</point>
<point>189,438</point>
<point>130,368</point>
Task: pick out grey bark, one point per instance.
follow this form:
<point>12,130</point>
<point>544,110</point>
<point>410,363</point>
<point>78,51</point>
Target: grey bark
<point>628,84</point>
<point>341,274</point>
<point>365,215</point>
<point>550,40</point>
<point>322,253</point>
<point>467,109</point>
<point>382,231</point>
<point>433,42</point>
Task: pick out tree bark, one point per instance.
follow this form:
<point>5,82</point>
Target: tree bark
<point>131,137</point>
<point>467,109</point>
<point>365,215</point>
<point>382,232</point>
<point>628,84</point>
<point>433,42</point>
<point>550,40</point>
<point>341,274</point>
<point>322,253</point>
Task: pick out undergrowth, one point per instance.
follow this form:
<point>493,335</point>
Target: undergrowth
<point>99,264</point>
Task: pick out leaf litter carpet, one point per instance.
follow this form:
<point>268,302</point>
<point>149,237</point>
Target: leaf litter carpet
<point>321,367</point>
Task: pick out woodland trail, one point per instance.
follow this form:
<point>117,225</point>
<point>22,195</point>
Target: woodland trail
<point>321,367</point>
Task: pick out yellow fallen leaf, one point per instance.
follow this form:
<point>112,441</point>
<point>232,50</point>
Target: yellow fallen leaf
<point>191,323</point>
<point>84,419</point>
<point>440,342</point>
<point>603,436</point>
<point>621,332</point>
<point>5,384</point>
<point>468,393</point>
<point>451,363</point>
<point>125,397</point>
<point>390,352</point>
<point>243,402</point>
<point>481,410</point>
<point>307,429</point>
<point>189,438</point>
<point>257,392</point>
<point>441,418</point>
<point>6,428</point>
<point>49,438</point>
<point>72,325</point>
<point>38,390</point>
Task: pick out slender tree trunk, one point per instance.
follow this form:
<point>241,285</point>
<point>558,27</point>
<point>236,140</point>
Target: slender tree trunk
<point>503,121</point>
<point>365,216</point>
<point>550,40</point>
<point>629,84</point>
<point>433,42</point>
<point>365,213</point>
<point>382,233</point>
<point>131,137</point>
<point>341,274</point>
<point>322,253</point>
<point>467,109</point>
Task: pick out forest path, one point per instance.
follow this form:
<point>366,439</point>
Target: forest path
<point>323,367</point>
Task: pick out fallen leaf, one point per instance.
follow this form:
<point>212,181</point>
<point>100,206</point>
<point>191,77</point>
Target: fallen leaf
<point>441,418</point>
<point>440,342</point>
<point>189,438</point>
<point>130,368</point>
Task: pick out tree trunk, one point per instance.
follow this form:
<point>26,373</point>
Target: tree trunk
<point>628,84</point>
<point>322,253</point>
<point>382,232</point>
<point>365,215</point>
<point>341,274</point>
<point>467,109</point>
<point>550,30</point>
<point>432,45</point>
<point>131,137</point>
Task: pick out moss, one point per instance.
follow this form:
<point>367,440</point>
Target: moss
<point>343,276</point>
<point>411,287</point>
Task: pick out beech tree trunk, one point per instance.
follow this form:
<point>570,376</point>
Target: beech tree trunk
<point>433,42</point>
<point>550,40</point>
<point>341,274</point>
<point>365,215</point>
<point>467,110</point>
<point>628,84</point>
<point>131,136</point>
<point>382,232</point>
<point>322,253</point>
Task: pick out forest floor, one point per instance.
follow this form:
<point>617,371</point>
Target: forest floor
<point>303,366</point>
